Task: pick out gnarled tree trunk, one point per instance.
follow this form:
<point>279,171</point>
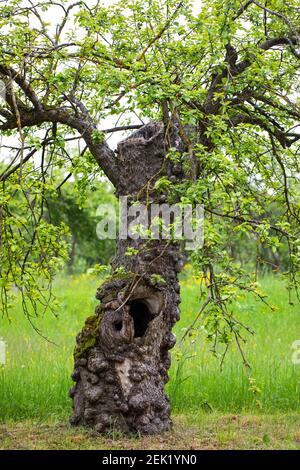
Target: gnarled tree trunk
<point>122,354</point>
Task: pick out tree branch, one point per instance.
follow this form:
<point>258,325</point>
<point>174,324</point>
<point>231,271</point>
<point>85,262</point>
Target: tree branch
<point>274,130</point>
<point>104,156</point>
<point>242,9</point>
<point>22,83</point>
<point>159,34</point>
<point>233,69</point>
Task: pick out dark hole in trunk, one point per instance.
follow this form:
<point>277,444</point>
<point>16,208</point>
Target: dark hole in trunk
<point>118,325</point>
<point>141,317</point>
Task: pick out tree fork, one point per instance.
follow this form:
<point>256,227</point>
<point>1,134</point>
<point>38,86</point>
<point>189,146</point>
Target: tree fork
<point>122,354</point>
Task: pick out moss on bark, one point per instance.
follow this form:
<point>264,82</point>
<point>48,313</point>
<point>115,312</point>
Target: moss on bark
<point>88,337</point>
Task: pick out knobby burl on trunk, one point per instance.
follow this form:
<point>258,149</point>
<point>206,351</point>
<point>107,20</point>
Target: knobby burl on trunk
<point>122,354</point>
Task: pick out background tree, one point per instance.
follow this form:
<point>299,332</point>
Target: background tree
<point>218,91</point>
<point>79,214</point>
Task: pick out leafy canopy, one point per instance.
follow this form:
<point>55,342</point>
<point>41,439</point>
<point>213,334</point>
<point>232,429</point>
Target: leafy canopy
<point>229,71</point>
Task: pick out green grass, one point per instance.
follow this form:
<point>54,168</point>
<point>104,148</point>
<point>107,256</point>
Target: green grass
<point>269,351</point>
<point>191,431</point>
<point>35,381</point>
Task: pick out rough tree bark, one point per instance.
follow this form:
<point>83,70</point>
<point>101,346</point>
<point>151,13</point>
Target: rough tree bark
<point>122,354</point>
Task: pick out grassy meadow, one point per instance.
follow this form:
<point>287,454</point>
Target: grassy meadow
<point>34,382</point>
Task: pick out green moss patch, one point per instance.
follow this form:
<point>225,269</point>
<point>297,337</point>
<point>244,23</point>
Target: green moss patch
<point>88,335</point>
